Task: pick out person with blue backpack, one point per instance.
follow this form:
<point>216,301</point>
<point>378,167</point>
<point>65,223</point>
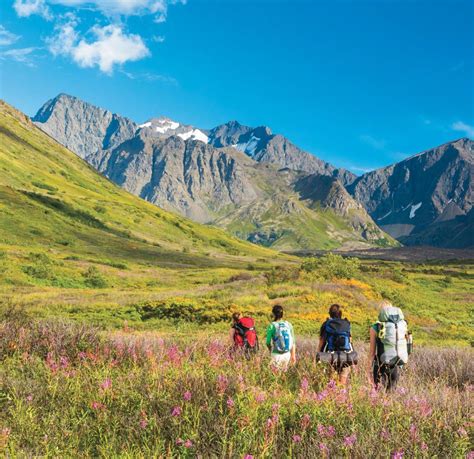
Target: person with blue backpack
<point>335,344</point>
<point>281,341</point>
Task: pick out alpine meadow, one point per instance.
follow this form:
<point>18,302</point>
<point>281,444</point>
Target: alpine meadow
<point>169,290</point>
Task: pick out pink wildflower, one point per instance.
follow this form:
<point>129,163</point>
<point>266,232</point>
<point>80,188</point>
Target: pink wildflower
<point>188,444</point>
<point>187,396</point>
<point>304,385</point>
<point>248,456</point>
<point>398,454</point>
<point>323,448</point>
<point>385,434</point>
<point>6,431</point>
<point>423,446</point>
<point>413,431</point>
<point>350,440</point>
<point>330,431</point>
<point>462,432</point>
<point>296,438</point>
<point>275,407</point>
<point>176,411</point>
<point>230,403</point>
<point>143,423</point>
<point>29,398</point>
<point>97,406</point>
<point>260,397</point>
<point>106,384</point>
<point>321,430</point>
<point>179,442</point>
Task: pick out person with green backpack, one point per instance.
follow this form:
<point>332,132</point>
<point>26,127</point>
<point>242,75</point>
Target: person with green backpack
<point>281,341</point>
<point>389,347</point>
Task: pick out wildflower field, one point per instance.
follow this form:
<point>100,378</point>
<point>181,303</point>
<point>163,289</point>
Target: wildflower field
<point>68,390</point>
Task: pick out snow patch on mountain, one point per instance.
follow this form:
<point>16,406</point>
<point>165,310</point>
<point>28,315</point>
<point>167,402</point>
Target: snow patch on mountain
<point>248,147</point>
<point>195,134</point>
<point>385,216</point>
<point>144,125</point>
<point>414,209</point>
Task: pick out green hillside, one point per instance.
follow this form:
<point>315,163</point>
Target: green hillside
<point>52,200</point>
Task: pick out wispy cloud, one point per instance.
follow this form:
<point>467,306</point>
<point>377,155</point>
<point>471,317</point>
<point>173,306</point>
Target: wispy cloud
<point>151,77</point>
<point>7,38</point>
<point>25,8</point>
<point>377,144</point>
<point>463,127</point>
<point>22,55</point>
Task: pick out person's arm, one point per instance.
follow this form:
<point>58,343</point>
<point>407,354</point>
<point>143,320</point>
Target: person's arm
<point>293,348</point>
<point>322,343</point>
<point>322,339</point>
<point>269,337</point>
<point>232,335</point>
<point>371,357</point>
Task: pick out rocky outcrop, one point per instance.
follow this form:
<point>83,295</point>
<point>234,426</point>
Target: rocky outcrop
<point>83,128</point>
<point>407,198</point>
<point>264,146</point>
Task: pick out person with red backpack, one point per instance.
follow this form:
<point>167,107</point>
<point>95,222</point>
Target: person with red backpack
<point>243,335</point>
<point>335,344</point>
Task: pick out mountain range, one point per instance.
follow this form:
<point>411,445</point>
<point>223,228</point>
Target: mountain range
<point>263,188</point>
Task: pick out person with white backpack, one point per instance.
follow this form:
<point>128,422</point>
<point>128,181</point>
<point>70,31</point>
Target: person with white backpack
<point>389,347</point>
<point>281,341</point>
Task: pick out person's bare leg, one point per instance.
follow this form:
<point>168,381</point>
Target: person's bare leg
<point>344,376</point>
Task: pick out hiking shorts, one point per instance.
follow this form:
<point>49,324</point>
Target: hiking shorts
<point>280,361</point>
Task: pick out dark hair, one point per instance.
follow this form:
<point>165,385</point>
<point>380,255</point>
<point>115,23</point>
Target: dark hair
<point>236,316</point>
<point>277,311</point>
<point>335,311</point>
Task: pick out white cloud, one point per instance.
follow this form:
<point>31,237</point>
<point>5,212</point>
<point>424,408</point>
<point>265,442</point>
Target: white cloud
<point>25,8</point>
<point>110,46</point>
<point>6,37</point>
<point>65,38</point>
<point>22,55</point>
<point>159,8</point>
<point>463,127</point>
<point>378,144</point>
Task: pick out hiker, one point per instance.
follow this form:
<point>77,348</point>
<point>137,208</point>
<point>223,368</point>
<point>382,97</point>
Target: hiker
<point>335,344</point>
<point>243,335</point>
<point>281,341</point>
<point>388,350</point>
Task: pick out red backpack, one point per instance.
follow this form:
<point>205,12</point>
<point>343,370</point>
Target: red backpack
<point>245,334</point>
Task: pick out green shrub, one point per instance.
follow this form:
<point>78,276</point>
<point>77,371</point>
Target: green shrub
<point>332,266</point>
<point>279,274</point>
<point>93,278</point>
<point>185,309</point>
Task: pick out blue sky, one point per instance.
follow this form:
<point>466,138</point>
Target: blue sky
<point>359,83</point>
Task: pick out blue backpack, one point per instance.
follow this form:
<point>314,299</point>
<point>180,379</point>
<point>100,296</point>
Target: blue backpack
<point>282,340</point>
<point>338,334</point>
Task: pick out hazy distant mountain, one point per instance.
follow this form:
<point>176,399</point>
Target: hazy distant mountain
<point>419,199</point>
<point>183,168</point>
